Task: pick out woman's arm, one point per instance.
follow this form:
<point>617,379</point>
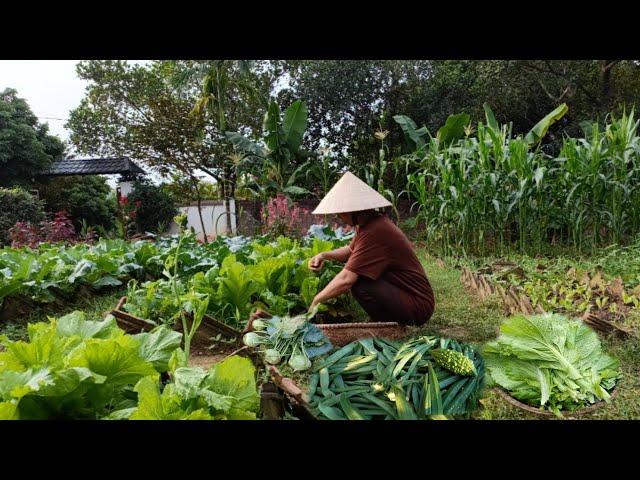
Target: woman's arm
<point>339,255</point>
<point>340,284</point>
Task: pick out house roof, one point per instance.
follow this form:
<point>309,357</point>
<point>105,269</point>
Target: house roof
<point>92,166</point>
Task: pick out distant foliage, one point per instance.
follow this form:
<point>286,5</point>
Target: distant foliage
<point>151,206</point>
<point>26,148</point>
<point>17,205</point>
<point>86,198</point>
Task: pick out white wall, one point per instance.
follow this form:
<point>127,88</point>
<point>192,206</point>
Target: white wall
<point>125,188</point>
<point>211,211</point>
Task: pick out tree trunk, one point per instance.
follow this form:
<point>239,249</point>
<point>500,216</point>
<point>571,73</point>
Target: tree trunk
<point>227,203</point>
<point>199,200</point>
<point>227,207</point>
<point>607,66</point>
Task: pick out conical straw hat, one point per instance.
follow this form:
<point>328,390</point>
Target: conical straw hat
<point>350,194</point>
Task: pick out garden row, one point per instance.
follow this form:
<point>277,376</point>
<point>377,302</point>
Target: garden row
<point>232,275</point>
<point>95,370</point>
<point>602,290</point>
<point>73,368</point>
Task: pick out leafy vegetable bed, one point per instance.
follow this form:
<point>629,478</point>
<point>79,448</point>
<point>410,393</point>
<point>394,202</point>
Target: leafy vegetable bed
<point>609,282</point>
<point>273,276</point>
<point>211,336</point>
<point>544,287</point>
<point>72,368</point>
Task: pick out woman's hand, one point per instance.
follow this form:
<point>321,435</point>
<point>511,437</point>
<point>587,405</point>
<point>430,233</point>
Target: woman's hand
<point>316,263</point>
<point>314,303</point>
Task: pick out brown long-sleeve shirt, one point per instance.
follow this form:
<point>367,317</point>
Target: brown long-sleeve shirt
<point>381,250</point>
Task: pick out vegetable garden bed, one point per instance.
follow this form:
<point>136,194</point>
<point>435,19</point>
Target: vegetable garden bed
<point>209,329</point>
<point>491,279</point>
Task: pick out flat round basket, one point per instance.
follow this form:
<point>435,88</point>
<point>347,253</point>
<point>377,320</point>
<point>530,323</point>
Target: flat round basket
<point>546,413</point>
<point>342,333</point>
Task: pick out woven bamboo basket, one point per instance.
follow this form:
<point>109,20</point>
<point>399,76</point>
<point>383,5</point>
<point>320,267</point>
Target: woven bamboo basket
<point>340,334</point>
<point>545,413</point>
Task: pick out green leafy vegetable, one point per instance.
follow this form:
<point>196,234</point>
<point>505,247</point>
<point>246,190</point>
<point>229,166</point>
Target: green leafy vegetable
<point>552,362</point>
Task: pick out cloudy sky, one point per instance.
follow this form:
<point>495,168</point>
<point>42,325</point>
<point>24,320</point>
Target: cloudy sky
<point>50,87</point>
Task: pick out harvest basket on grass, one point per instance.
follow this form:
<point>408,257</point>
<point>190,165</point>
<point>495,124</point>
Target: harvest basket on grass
<point>202,340</point>
<point>340,334</point>
<point>546,413</point>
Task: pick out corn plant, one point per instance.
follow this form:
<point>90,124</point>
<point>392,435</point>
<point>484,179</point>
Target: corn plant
<point>495,191</point>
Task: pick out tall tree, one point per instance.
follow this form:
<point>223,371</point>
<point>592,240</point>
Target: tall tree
<point>135,110</point>
<point>26,148</point>
<point>222,83</point>
<point>523,91</point>
<point>347,97</point>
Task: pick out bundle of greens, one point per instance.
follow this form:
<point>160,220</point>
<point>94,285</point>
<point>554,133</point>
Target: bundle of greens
<point>291,339</point>
<point>424,378</point>
<point>551,362</point>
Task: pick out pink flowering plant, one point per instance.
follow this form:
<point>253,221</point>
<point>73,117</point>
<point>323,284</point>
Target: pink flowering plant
<point>282,217</point>
<point>130,213</point>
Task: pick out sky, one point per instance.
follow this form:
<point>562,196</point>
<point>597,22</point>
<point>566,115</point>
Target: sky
<point>51,88</point>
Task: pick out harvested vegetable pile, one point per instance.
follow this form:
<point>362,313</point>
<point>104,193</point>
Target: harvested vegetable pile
<point>427,377</point>
<point>551,362</point>
<point>290,339</point>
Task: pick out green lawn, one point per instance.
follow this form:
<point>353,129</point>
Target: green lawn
<point>464,317</point>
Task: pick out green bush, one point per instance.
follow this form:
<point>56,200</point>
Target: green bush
<point>156,206</point>
<point>18,205</point>
<point>83,198</point>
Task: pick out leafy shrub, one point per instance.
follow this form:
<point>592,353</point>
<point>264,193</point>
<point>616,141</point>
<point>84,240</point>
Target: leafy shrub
<point>17,205</point>
<point>85,199</point>
<point>60,229</point>
<point>156,206</point>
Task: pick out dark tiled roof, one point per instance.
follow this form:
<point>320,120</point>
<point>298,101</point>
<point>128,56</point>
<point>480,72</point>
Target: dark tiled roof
<point>92,166</point>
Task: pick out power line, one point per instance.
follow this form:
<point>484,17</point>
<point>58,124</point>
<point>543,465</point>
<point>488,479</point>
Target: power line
<point>53,118</point>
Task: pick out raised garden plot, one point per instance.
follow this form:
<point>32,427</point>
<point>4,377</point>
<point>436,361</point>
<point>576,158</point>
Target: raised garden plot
<point>601,303</point>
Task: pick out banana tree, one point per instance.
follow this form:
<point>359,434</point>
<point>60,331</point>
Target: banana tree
<point>217,81</point>
<point>279,150</point>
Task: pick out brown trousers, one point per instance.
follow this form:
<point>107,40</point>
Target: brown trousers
<point>385,302</point>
